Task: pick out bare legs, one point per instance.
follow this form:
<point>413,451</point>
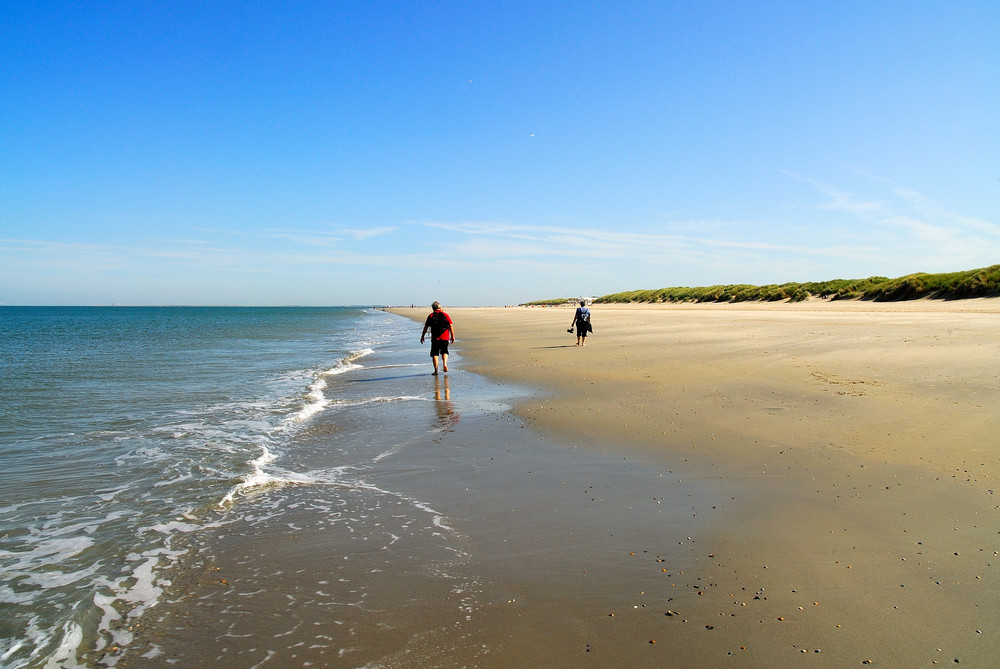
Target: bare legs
<point>444,363</point>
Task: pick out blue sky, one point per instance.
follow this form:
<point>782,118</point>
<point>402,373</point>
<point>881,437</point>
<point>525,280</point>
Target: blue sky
<point>328,153</point>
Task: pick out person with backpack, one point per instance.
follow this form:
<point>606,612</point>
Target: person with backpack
<point>582,322</point>
<point>442,334</point>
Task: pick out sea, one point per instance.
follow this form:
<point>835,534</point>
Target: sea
<point>243,487</point>
<point>125,431</point>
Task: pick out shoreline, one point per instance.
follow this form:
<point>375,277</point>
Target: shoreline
<point>858,441</point>
<point>456,538</point>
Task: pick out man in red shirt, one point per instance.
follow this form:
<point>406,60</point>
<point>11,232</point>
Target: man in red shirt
<point>442,333</point>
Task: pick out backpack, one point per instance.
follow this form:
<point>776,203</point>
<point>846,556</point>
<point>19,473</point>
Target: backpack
<point>439,324</point>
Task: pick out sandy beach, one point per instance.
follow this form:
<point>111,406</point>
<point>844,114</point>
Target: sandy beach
<point>848,454</point>
<point>752,485</point>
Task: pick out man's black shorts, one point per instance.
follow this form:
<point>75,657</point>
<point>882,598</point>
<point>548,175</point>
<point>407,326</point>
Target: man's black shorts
<point>439,347</point>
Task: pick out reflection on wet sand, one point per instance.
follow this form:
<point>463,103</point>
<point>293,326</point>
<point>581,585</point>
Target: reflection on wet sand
<point>447,416</point>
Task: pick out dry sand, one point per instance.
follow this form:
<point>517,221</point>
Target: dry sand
<point>856,445</point>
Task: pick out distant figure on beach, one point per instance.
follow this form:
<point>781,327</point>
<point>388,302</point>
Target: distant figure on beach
<point>442,333</point>
<point>582,322</point>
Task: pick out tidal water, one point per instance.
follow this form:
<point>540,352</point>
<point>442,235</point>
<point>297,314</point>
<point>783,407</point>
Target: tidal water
<point>125,430</point>
<point>238,487</point>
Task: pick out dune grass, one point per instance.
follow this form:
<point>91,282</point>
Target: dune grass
<point>983,282</point>
<point>554,302</point>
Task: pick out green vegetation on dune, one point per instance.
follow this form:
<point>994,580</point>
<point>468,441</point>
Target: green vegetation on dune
<point>554,302</point>
<point>983,282</point>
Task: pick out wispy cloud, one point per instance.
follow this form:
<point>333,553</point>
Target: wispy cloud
<point>106,257</point>
<point>932,210</point>
<point>889,230</point>
<point>501,239</point>
<point>334,237</point>
<point>495,239</point>
<point>908,229</point>
<point>359,234</point>
<point>843,200</point>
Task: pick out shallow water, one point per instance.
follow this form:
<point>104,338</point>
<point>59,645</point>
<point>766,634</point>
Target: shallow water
<point>456,537</point>
<point>124,430</point>
<point>292,486</point>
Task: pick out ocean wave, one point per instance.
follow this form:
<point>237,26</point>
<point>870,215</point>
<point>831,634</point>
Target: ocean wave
<point>258,479</point>
<point>160,468</point>
<point>55,557</point>
<point>315,397</point>
<point>379,400</point>
<point>316,401</point>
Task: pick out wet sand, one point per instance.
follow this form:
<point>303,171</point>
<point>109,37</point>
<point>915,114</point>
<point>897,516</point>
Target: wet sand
<point>850,454</point>
<point>435,532</point>
<point>700,486</point>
